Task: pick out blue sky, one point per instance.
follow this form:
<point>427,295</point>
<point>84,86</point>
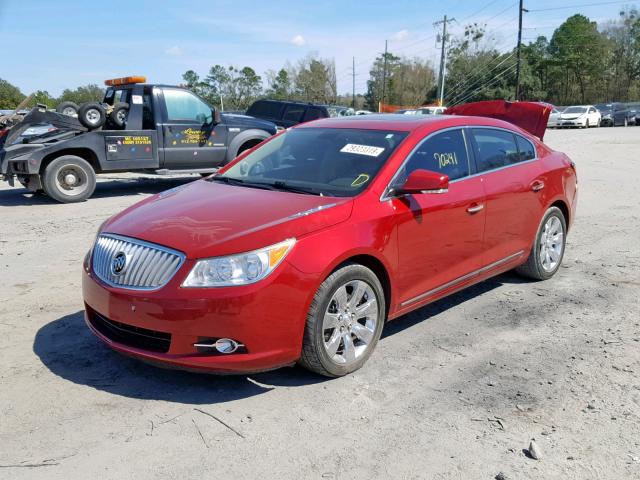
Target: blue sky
<point>55,44</point>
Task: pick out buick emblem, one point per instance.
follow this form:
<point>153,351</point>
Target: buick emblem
<point>118,263</point>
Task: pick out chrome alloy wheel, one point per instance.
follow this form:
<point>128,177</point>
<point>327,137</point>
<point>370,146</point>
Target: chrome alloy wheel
<point>93,116</point>
<point>71,180</point>
<point>349,323</point>
<point>551,244</point>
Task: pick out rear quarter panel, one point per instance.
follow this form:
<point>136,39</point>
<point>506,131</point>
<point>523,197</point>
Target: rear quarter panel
<point>561,183</point>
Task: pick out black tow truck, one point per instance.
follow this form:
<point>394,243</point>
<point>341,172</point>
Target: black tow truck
<point>164,129</point>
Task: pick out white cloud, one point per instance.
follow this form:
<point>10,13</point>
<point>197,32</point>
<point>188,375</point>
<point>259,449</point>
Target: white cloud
<point>174,51</point>
<point>298,41</point>
<point>401,35</point>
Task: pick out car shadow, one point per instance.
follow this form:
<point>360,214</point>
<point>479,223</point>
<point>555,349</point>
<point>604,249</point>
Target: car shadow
<point>431,310</point>
<point>105,188</point>
<point>69,350</point>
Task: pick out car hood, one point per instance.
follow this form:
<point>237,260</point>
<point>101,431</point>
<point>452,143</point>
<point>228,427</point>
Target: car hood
<point>244,121</point>
<point>206,219</point>
<point>571,116</point>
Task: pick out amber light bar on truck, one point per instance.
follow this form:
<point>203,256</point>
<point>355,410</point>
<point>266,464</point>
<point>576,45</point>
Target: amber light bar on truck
<point>114,82</point>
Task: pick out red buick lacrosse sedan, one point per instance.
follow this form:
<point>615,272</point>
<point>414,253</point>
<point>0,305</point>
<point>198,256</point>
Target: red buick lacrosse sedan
<point>302,248</point>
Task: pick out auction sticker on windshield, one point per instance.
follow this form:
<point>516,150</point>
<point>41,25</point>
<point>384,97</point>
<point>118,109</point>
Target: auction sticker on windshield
<point>362,149</point>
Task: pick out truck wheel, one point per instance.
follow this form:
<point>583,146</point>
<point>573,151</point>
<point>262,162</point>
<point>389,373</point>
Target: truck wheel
<point>92,115</point>
<point>118,115</point>
<point>68,108</point>
<point>69,179</point>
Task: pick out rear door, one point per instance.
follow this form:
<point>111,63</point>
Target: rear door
<point>439,235</point>
<point>190,138</point>
<point>507,165</point>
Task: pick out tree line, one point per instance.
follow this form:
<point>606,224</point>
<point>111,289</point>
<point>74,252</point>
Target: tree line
<point>582,62</point>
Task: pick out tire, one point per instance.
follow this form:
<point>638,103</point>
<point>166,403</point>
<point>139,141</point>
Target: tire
<point>586,125</point>
<point>69,179</point>
<point>626,122</point>
<point>353,339</point>
<point>534,267</point>
<point>68,108</point>
<point>118,115</point>
<point>92,115</point>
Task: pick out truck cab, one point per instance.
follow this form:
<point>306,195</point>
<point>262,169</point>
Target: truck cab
<point>166,129</point>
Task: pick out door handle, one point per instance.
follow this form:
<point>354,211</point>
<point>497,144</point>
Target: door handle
<point>475,208</point>
<point>537,185</point>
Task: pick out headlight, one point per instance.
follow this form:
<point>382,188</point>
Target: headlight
<point>241,269</point>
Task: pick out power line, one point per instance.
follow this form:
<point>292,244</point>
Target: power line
<point>490,82</point>
<point>479,74</point>
<point>576,6</point>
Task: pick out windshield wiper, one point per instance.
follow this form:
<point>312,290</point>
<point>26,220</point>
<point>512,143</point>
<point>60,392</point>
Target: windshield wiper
<point>243,183</point>
<point>280,185</point>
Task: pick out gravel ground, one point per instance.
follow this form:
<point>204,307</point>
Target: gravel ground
<point>455,390</point>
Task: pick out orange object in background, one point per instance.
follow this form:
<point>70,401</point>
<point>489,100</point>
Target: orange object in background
<point>388,108</point>
<point>125,80</point>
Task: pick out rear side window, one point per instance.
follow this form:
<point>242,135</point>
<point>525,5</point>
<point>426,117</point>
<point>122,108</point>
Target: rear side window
<point>264,109</point>
<point>494,148</point>
<point>526,149</point>
<point>293,113</point>
<point>444,152</point>
<point>313,113</point>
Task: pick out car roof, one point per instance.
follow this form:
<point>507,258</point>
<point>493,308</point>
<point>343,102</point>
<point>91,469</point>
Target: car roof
<point>406,123</point>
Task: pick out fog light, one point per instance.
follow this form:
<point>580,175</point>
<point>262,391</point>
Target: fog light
<point>226,345</point>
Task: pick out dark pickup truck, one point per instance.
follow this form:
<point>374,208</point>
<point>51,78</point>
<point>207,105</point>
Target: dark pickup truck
<point>167,130</point>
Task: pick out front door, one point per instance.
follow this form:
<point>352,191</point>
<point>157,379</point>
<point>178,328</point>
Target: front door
<point>191,139</point>
<point>439,235</point>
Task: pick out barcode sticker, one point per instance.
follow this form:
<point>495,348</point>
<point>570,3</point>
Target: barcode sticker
<point>362,149</point>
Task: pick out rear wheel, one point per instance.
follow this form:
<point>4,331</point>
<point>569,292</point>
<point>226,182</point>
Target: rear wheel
<point>92,115</point>
<point>548,249</point>
<point>626,122</point>
<point>69,179</point>
<point>344,322</point>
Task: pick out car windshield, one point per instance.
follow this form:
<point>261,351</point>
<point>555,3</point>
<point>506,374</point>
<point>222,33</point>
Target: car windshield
<point>575,110</point>
<point>336,162</point>
<point>603,108</point>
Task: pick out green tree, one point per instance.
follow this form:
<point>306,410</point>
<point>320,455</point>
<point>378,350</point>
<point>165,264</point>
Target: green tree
<point>10,95</point>
<point>87,93</point>
<point>280,85</point>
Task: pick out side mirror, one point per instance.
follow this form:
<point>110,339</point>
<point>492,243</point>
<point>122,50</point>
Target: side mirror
<point>216,116</point>
<point>425,181</point>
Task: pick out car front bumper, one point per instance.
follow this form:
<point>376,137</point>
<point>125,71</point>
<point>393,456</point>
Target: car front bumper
<point>162,326</point>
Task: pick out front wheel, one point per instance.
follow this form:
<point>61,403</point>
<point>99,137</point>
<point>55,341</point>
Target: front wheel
<point>344,322</point>
<point>548,249</point>
<point>69,179</point>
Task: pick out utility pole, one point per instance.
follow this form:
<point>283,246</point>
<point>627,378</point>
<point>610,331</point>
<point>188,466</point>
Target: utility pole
<point>353,98</point>
<point>384,75</point>
<point>443,54</point>
<point>522,10</point>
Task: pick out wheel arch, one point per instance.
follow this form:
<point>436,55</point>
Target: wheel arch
<point>252,135</point>
<point>377,267</point>
<point>564,208</point>
<point>84,153</point>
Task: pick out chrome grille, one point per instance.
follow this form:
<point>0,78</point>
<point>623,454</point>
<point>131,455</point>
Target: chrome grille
<point>147,267</point>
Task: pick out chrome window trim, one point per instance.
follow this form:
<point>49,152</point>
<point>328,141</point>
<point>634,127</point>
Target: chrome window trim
<point>386,194</point>
<point>142,243</point>
<point>461,279</point>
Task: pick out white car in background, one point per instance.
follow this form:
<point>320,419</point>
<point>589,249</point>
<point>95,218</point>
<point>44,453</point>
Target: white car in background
<point>581,116</point>
<point>554,118</point>
<point>431,110</point>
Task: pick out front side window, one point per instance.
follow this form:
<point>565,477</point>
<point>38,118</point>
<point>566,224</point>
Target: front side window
<point>183,106</point>
<point>443,152</point>
<point>337,162</point>
<point>494,149</point>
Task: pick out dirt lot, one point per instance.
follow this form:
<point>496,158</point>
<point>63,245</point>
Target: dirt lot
<point>455,390</point>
